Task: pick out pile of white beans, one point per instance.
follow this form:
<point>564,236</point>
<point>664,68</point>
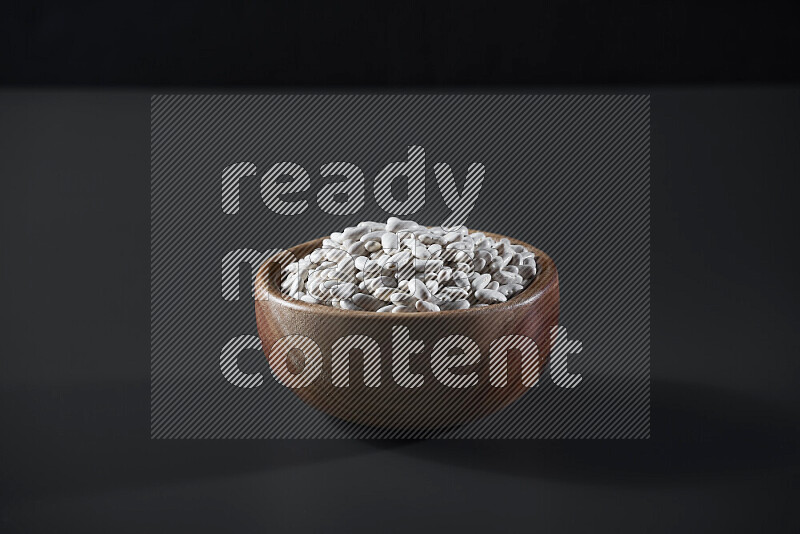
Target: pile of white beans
<point>400,266</point>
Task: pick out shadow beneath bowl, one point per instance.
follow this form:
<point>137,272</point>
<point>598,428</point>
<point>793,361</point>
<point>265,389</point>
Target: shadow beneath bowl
<point>696,432</point>
<point>92,438</point>
<point>87,438</point>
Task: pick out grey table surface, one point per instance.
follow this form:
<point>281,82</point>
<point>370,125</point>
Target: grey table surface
<point>76,452</point>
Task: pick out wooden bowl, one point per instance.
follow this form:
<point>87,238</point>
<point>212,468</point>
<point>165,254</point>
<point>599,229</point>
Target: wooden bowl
<point>532,313</point>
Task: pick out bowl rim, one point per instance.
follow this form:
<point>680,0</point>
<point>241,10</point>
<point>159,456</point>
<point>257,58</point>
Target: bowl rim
<point>545,275</point>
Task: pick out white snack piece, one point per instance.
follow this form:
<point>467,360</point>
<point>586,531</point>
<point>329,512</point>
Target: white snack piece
<point>403,267</point>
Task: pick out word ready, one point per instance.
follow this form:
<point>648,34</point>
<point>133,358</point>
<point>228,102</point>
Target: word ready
<point>346,195</point>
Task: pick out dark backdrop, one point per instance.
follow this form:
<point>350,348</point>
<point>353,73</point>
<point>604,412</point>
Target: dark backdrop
<point>75,449</point>
<point>298,42</point>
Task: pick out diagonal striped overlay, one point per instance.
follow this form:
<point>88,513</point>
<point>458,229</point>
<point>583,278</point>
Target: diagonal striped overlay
<point>569,174</point>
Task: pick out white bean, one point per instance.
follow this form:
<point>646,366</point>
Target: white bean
<point>454,305</point>
<point>367,302</point>
<point>403,299</point>
<point>393,224</point>
<point>417,288</point>
<point>481,282</point>
<point>489,297</point>
<point>343,291</point>
<point>390,243</point>
<point>349,305</point>
<point>510,290</point>
<point>403,267</point>
<point>423,306</point>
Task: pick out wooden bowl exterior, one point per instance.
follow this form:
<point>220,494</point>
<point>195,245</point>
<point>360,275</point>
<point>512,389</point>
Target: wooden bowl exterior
<point>532,313</point>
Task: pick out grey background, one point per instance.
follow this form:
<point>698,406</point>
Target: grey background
<point>568,174</point>
<point>75,378</point>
